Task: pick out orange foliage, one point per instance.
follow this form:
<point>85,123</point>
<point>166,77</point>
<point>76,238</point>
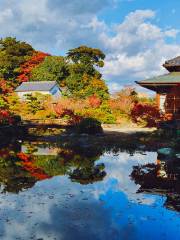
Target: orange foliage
<point>28,165</point>
<point>28,66</point>
<point>94,101</point>
<point>62,112</point>
<point>59,109</point>
<point>4,88</point>
<point>123,101</point>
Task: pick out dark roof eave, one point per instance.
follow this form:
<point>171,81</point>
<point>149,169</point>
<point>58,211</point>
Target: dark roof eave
<point>157,87</point>
<point>157,83</point>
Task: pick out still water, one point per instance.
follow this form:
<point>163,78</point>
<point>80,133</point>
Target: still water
<point>50,192</point>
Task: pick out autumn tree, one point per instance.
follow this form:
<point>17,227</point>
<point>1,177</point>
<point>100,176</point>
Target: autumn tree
<point>85,79</point>
<point>12,54</point>
<point>27,67</point>
<point>97,87</point>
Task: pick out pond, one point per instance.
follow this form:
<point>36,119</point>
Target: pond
<point>54,192</point>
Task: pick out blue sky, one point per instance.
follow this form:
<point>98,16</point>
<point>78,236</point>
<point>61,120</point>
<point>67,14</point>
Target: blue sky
<point>137,36</point>
<point>167,11</point>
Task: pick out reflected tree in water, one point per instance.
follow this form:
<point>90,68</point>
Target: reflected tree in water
<point>20,170</point>
<point>13,178</point>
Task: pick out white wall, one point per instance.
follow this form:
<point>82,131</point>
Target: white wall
<point>22,96</point>
<point>162,100</point>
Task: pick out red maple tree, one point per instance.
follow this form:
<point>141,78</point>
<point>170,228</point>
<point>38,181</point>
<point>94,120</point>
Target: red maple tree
<point>147,113</point>
<point>27,67</point>
<point>28,164</point>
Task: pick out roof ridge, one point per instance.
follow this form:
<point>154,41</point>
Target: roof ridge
<point>38,82</point>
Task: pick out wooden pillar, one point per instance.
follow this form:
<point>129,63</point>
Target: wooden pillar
<point>158,100</point>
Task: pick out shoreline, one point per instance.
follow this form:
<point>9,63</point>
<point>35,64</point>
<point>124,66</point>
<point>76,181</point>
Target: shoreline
<point>132,136</point>
<point>127,129</point>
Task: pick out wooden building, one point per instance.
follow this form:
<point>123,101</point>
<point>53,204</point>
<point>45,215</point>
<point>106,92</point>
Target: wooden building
<point>167,88</point>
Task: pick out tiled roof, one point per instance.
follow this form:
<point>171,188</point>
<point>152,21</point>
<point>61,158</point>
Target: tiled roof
<point>171,78</point>
<point>173,65</point>
<point>173,62</point>
<point>36,86</point>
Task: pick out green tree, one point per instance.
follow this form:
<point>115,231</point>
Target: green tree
<point>85,79</point>
<point>12,54</point>
<point>76,85</point>
<point>86,60</point>
<point>35,102</point>
<point>51,69</point>
<point>83,86</point>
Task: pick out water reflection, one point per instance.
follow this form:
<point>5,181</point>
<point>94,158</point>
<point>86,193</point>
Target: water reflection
<point>22,166</point>
<point>162,178</point>
<point>84,193</point>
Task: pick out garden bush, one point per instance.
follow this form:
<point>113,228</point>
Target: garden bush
<point>7,118</point>
<point>89,126</point>
<point>147,115</point>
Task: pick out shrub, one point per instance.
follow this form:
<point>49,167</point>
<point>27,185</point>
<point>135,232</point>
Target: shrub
<point>146,114</point>
<point>91,107</point>
<point>16,119</point>
<point>73,119</point>
<point>102,113</point>
<point>59,109</point>
<point>94,101</point>
<point>89,126</point>
<point>6,118</point>
<point>36,102</point>
<point>123,101</point>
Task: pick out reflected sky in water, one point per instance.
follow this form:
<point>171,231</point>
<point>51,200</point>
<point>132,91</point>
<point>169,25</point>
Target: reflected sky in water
<point>109,208</point>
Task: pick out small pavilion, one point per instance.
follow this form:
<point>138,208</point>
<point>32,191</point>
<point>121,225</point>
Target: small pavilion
<point>167,88</point>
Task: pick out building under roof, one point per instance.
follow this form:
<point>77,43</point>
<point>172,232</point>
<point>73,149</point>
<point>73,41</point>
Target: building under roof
<point>43,87</point>
<point>167,88</point>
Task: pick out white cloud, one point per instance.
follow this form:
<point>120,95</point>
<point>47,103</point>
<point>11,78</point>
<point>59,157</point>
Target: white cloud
<point>114,87</point>
<point>172,33</point>
<point>138,48</point>
<point>119,169</point>
<point>135,48</point>
<point>52,26</point>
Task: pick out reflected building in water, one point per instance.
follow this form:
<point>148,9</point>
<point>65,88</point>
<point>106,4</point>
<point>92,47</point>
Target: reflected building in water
<point>162,178</point>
